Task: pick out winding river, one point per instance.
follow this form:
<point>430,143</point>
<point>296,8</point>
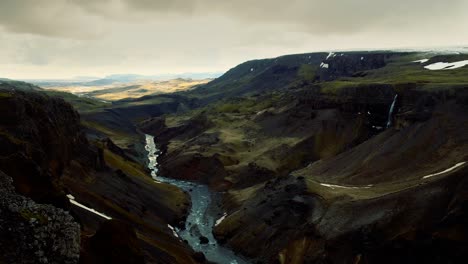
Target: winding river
<point>200,220</point>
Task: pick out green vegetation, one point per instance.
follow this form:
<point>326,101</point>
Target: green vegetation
<point>403,72</point>
<point>82,104</point>
<point>307,72</point>
<point>29,215</point>
<point>5,95</point>
<point>18,85</point>
<point>127,166</point>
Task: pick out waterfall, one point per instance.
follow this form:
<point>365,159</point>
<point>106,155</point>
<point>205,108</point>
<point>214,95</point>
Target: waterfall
<point>390,112</point>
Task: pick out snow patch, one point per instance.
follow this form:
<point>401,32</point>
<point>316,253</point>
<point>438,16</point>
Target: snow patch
<point>72,200</point>
<point>324,65</point>
<point>330,55</point>
<point>362,58</point>
<point>220,219</point>
<point>173,231</point>
<point>446,65</point>
<point>445,171</point>
<point>251,69</point>
<point>333,186</point>
<point>421,61</point>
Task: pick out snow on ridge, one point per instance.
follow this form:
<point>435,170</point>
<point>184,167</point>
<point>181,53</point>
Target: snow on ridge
<point>446,65</point>
<point>330,55</point>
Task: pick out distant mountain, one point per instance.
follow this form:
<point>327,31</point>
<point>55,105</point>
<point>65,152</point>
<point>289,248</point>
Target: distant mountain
<point>121,78</point>
<point>133,77</point>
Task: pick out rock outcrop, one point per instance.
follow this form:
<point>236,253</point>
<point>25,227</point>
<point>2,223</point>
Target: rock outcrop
<point>35,233</point>
<point>39,137</point>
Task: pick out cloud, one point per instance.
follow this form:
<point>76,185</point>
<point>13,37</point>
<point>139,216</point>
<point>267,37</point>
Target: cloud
<point>79,18</point>
<point>58,18</point>
<point>64,38</point>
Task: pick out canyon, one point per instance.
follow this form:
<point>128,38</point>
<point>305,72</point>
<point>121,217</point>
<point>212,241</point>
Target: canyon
<point>279,160</point>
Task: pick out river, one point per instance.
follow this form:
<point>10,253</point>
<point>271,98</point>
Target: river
<point>200,220</point>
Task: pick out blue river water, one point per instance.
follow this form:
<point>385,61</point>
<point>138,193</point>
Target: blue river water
<point>200,221</point>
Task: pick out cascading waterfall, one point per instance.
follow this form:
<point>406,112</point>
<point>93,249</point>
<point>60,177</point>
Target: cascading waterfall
<point>200,221</point>
<point>390,112</point>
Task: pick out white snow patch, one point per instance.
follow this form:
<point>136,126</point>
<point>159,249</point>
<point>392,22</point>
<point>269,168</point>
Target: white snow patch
<point>324,65</point>
<point>362,58</point>
<point>333,186</point>
<point>330,55</point>
<point>421,61</point>
<point>251,69</point>
<point>445,171</point>
<point>220,219</point>
<point>72,200</point>
<point>173,231</point>
<point>446,65</point>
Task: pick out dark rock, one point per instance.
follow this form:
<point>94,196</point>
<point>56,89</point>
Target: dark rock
<point>43,135</point>
<point>199,256</point>
<point>204,240</point>
<point>114,242</point>
<point>35,233</point>
<point>153,126</point>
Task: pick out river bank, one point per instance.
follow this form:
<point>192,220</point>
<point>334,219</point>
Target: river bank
<point>198,229</point>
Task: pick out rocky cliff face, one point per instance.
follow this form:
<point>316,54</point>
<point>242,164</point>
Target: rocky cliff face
<point>35,233</point>
<point>47,156</point>
<point>396,197</point>
<point>312,174</point>
<point>39,137</point>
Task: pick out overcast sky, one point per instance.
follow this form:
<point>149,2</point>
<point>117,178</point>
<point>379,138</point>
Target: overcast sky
<point>67,38</point>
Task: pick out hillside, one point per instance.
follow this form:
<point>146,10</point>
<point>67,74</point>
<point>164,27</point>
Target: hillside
<point>114,90</point>
<point>299,149</point>
<point>47,158</point>
<point>353,157</point>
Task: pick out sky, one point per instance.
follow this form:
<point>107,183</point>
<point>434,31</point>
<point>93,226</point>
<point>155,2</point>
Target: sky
<point>59,39</point>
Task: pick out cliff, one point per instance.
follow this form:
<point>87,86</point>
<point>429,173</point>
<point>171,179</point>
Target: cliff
<point>44,150</point>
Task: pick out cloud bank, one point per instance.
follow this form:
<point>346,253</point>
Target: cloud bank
<point>64,38</point>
